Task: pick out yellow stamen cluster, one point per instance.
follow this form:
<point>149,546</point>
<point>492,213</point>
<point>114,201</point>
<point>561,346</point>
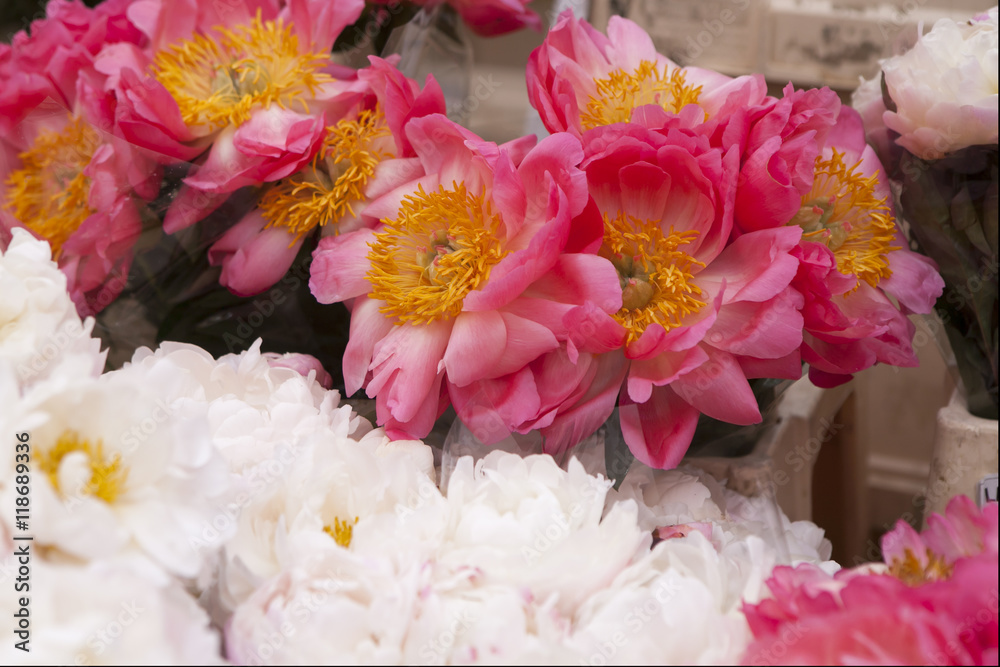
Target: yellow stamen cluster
<point>911,572</point>
<point>219,79</point>
<point>656,276</point>
<point>107,474</point>
<point>325,191</point>
<point>622,92</point>
<point>842,211</point>
<point>441,247</point>
<point>342,531</point>
<point>48,194</point>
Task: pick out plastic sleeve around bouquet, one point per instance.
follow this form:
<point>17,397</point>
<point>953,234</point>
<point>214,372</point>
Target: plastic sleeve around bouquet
<point>951,207</point>
<point>173,293</point>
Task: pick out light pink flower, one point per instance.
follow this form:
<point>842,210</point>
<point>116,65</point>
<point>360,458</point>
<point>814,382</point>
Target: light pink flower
<point>304,364</point>
<point>963,531</point>
<point>461,282</point>
<point>363,155</point>
<point>579,79</point>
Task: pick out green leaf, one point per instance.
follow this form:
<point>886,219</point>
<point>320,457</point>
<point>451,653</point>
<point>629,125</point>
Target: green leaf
<point>618,457</point>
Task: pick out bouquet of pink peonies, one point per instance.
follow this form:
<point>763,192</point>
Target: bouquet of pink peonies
<point>679,234</point>
<point>679,237</point>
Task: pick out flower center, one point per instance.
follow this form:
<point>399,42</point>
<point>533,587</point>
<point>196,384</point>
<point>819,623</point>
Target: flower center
<point>342,531</point>
<point>842,211</point>
<point>48,194</point>
<point>621,92</point>
<point>656,277</point>
<point>107,474</point>
<point>911,572</point>
<point>324,192</point>
<point>220,79</point>
<point>442,246</point>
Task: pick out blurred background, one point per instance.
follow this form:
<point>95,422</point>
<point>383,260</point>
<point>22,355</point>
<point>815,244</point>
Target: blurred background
<point>875,470</point>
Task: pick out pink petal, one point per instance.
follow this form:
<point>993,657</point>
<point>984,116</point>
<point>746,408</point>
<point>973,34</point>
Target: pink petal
<point>659,431</point>
<point>755,267</point>
<point>253,258</point>
<point>340,266</point>
<point>368,327</point>
<point>405,367</point>
<point>493,408</point>
<point>661,370</point>
<point>719,389</point>
<point>766,330</point>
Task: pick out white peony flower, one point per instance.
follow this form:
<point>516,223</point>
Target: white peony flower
<point>673,606</point>
<point>105,613</point>
<point>528,524</point>
<point>945,88</point>
<point>114,470</point>
<point>331,493</point>
<point>40,330</point>
<point>253,407</point>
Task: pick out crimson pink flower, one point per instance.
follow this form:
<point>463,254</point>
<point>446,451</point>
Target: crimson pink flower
<point>579,79</point>
<point>462,280</point>
<point>934,604</point>
<point>363,155</point>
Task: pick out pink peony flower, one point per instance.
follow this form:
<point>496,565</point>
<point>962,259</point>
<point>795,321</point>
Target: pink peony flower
<point>463,280</point>
<point>496,17</point>
<point>65,177</point>
<point>363,155</point>
<point>44,61</point>
<point>853,259</point>
<point>936,604</point>
<point>784,138</point>
<point>700,316</point>
<point>248,82</point>
<point>578,79</point>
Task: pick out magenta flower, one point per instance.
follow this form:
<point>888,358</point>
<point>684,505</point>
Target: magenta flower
<point>363,155</point>
<point>578,79</point>
<point>461,280</point>
<point>935,603</point>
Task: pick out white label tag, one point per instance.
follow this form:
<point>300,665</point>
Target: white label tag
<point>987,490</point>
